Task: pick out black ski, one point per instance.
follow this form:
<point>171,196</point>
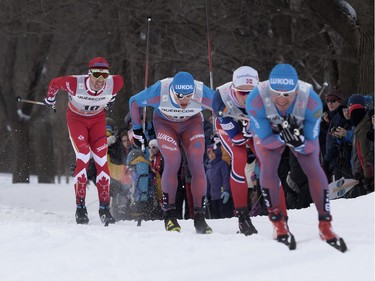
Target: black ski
<point>338,244</point>
<point>287,240</point>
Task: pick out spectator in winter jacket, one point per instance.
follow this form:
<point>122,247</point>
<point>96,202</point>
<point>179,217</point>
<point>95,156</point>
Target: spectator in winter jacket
<point>218,188</point>
<point>344,139</point>
<point>363,153</point>
<point>157,166</point>
<point>333,101</point>
<point>126,145</point>
<point>113,142</point>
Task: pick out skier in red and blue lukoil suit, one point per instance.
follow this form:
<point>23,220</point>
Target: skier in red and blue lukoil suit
<point>285,111</point>
<point>177,120</point>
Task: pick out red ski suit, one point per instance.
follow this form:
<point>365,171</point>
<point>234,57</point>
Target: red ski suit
<point>86,124</point>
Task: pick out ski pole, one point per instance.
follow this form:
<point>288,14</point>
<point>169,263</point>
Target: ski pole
<point>223,114</point>
<point>209,49</point>
<point>325,84</point>
<point>317,85</point>
<point>20,99</point>
<point>149,19</point>
<point>209,52</point>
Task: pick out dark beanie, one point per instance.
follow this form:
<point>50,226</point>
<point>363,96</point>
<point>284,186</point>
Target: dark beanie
<point>356,101</point>
<point>357,108</point>
<point>334,94</point>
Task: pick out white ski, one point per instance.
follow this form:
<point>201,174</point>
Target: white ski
<point>340,187</point>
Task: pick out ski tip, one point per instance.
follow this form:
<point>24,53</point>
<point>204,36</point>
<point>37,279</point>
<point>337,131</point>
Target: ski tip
<point>338,244</point>
<point>343,247</point>
<point>292,243</point>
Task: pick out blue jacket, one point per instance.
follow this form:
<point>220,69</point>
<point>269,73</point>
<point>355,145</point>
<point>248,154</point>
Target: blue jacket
<point>217,173</point>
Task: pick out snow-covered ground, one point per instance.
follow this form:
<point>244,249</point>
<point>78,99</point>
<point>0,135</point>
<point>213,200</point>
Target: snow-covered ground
<point>39,240</point>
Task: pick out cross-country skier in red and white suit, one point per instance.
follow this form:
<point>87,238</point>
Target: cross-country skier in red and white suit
<point>89,96</point>
<point>230,99</point>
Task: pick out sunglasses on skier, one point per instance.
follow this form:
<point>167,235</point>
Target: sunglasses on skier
<point>182,96</point>
<point>283,94</point>
<point>97,74</point>
<point>242,92</point>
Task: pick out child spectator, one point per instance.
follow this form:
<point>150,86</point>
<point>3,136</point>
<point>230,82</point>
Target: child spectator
<point>218,187</point>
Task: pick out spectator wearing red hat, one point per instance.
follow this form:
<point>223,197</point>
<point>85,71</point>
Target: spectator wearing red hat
<point>89,96</point>
<point>363,150</point>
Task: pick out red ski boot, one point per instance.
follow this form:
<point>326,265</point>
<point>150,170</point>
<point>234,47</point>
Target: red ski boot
<point>326,234</point>
<point>281,230</point>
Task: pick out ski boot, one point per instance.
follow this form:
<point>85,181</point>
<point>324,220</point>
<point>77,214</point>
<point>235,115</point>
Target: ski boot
<point>81,215</point>
<point>326,234</point>
<point>170,221</point>
<point>244,222</point>
<point>200,224</point>
<point>105,215</point>
<point>281,230</point>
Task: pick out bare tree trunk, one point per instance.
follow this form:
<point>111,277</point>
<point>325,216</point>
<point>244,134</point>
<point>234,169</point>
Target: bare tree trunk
<point>365,53</point>
<point>18,156</point>
<point>355,76</point>
<point>45,164</point>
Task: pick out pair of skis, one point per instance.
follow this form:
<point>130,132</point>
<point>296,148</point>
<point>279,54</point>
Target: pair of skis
<point>290,242</point>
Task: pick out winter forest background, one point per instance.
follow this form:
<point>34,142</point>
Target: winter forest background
<point>326,40</point>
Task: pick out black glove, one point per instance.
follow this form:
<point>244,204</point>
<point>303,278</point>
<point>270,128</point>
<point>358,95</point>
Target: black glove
<point>290,133</point>
<point>139,138</point>
<point>50,102</point>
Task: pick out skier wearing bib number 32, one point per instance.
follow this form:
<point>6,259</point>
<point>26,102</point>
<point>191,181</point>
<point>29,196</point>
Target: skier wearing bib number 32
<point>285,111</point>
<point>89,95</point>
